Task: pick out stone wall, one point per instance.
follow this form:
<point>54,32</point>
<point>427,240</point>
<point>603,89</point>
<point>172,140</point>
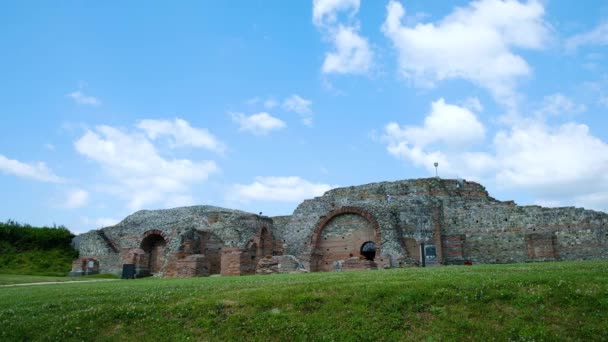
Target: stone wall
<point>178,242</point>
<point>505,233</point>
<point>457,221</point>
<point>461,221</point>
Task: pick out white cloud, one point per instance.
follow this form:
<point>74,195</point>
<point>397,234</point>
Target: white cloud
<point>258,124</point>
<point>278,189</point>
<point>597,36</point>
<point>474,43</point>
<point>451,126</point>
<point>136,171</point>
<point>548,203</point>
<point>301,106</point>
<point>551,160</point>
<point>36,171</point>
<point>253,101</point>
<point>604,101</point>
<point>270,103</point>
<point>473,104</point>
<point>351,52</point>
<point>99,222</point>
<point>75,198</point>
<point>325,12</point>
<point>181,134</point>
<point>180,201</point>
<point>49,147</point>
<point>564,163</point>
<point>595,201</point>
<point>559,104</point>
<point>447,132</point>
<point>81,98</point>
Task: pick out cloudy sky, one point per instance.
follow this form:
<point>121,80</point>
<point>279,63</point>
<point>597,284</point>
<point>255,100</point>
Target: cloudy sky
<point>111,107</point>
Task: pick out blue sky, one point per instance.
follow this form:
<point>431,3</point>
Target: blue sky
<point>111,107</point>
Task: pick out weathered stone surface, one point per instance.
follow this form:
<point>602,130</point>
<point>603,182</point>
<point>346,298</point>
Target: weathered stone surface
<point>188,241</point>
<point>268,266</point>
<point>358,264</point>
<point>457,221</point>
<point>279,264</point>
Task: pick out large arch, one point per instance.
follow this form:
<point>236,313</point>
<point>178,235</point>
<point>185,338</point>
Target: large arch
<point>340,235</point>
<point>260,246</point>
<point>265,243</point>
<point>154,246</point>
<point>211,247</point>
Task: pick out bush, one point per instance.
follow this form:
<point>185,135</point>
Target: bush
<point>35,250</point>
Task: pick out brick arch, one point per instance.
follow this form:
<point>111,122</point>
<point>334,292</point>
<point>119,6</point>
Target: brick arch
<point>258,247</point>
<point>346,210</point>
<point>88,268</point>
<point>265,241</point>
<point>154,244</point>
<point>323,222</point>
<point>155,232</point>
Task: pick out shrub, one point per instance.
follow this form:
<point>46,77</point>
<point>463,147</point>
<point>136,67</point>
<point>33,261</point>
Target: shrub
<point>35,250</point>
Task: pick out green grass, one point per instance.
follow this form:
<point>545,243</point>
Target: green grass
<point>527,302</point>
<point>10,279</point>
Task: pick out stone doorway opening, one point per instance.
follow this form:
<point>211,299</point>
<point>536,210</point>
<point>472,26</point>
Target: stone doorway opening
<point>368,250</point>
<point>154,247</point>
<point>341,235</point>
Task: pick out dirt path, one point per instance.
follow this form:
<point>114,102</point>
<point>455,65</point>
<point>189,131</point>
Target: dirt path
<point>59,282</point>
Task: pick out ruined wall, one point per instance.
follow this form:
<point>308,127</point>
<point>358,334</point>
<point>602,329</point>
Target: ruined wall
<point>457,221</point>
<point>91,246</point>
<point>398,208</point>
<point>462,222</point>
<point>175,242</point>
<point>502,233</point>
<point>280,224</point>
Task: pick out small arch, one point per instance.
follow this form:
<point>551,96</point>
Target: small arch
<point>155,232</point>
<point>368,250</point>
<point>253,251</point>
<point>90,266</point>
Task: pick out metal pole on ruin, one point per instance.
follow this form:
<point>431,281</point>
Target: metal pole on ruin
<point>436,172</point>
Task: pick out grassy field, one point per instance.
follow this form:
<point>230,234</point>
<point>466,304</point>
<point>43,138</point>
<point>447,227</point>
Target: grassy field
<point>11,279</point>
<point>543,301</point>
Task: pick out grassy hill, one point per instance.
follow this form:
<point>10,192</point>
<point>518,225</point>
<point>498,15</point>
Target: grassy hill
<point>35,250</point>
<point>541,301</point>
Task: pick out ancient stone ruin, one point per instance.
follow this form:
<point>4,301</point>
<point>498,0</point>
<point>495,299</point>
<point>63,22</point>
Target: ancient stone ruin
<point>381,225</point>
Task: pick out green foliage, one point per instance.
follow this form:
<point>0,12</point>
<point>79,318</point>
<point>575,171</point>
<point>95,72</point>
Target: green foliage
<point>523,302</point>
<point>35,250</point>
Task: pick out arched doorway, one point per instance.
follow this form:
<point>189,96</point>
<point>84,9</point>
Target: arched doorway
<point>154,248</point>
<point>368,250</point>
<point>259,247</point>
<point>265,244</point>
<point>211,247</point>
<point>90,266</point>
<point>345,233</point>
<point>253,253</point>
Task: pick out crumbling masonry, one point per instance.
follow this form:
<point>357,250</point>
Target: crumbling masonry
<point>380,225</point>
